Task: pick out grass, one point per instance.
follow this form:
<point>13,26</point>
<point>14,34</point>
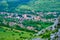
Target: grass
<point>8,34</point>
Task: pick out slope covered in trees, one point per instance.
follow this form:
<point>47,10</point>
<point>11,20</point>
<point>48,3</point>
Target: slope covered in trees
<point>36,5</point>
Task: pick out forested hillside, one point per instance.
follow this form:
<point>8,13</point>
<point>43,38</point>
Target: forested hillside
<point>23,5</point>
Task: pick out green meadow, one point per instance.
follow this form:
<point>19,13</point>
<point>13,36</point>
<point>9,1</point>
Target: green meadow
<point>8,34</point>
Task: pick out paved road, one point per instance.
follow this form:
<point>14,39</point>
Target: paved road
<point>55,23</point>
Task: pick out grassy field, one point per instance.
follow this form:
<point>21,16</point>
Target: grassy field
<point>8,34</point>
<point>13,34</point>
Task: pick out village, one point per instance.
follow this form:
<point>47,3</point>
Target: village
<point>39,24</point>
<point>39,16</point>
<point>19,19</point>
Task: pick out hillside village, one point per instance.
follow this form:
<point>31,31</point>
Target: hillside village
<point>40,16</point>
<point>22,20</point>
<point>29,19</point>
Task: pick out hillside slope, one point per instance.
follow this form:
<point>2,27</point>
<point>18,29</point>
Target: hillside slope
<point>36,5</point>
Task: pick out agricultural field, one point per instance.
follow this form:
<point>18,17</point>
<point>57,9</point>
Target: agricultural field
<point>8,34</point>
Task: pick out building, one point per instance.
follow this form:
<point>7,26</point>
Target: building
<point>12,23</point>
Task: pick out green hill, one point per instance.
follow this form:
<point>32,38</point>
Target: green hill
<point>8,34</point>
<point>36,5</point>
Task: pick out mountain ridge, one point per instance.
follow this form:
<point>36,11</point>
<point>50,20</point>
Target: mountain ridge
<point>36,5</point>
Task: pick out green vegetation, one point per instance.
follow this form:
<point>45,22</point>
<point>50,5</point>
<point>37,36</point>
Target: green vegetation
<point>48,33</point>
<point>37,24</point>
<point>36,5</point>
<point>13,34</point>
<point>8,34</point>
<point>16,32</point>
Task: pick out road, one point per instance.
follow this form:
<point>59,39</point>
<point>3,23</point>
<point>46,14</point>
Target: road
<point>55,24</point>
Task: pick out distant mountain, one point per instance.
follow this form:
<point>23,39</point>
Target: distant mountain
<point>36,5</point>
